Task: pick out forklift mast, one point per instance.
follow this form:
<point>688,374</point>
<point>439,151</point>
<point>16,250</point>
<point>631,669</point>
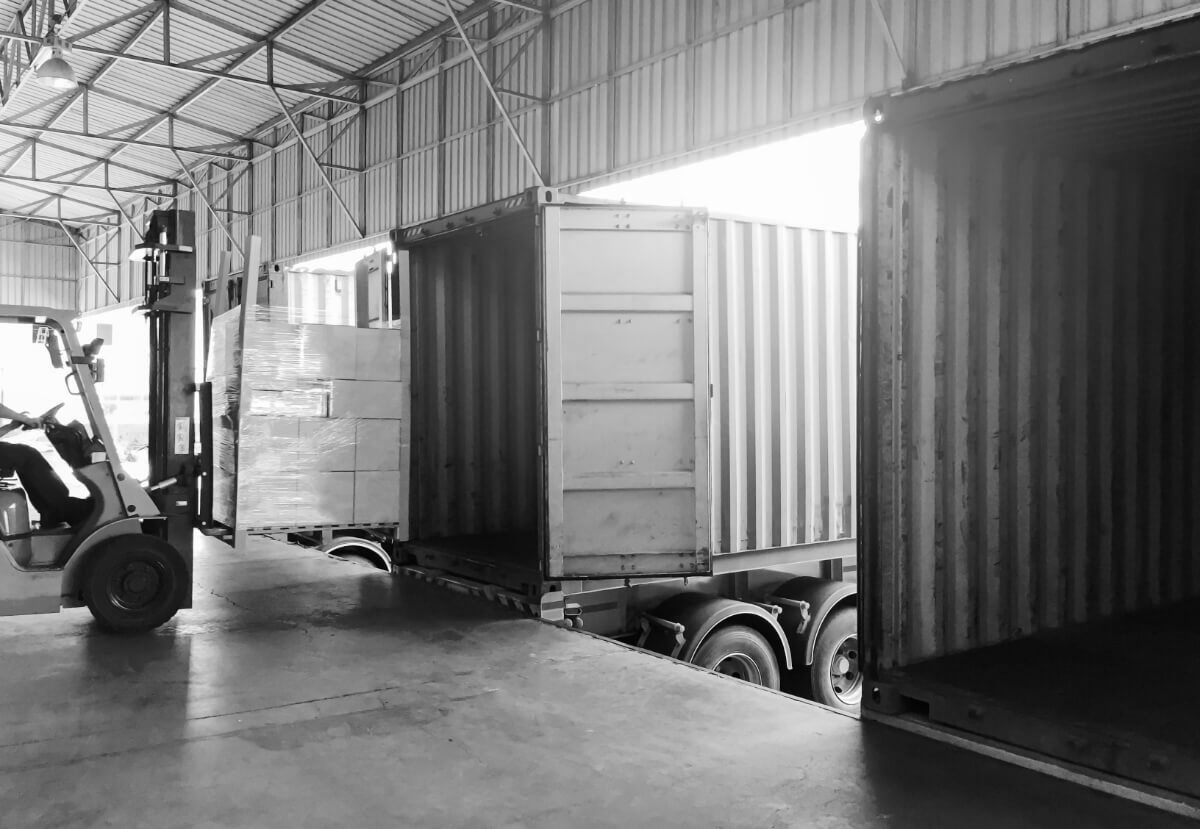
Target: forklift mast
<point>171,304</point>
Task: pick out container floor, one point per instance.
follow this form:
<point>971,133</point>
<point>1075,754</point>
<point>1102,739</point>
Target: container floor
<point>506,560</point>
<point>303,692</point>
<point>1119,695</point>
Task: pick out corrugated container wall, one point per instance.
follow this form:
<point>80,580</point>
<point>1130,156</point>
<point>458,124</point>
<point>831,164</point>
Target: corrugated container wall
<point>1028,392</point>
<point>38,265</point>
<point>784,335</point>
<point>475,382</point>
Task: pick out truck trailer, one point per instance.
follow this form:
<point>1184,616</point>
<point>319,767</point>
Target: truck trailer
<point>638,420</point>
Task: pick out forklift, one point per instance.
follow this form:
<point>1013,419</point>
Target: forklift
<point>130,561</point>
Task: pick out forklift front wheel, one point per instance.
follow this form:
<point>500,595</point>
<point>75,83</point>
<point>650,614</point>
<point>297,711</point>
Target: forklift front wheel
<point>134,583</point>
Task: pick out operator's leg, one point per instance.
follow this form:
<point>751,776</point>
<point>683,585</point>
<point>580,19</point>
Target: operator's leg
<point>45,489</point>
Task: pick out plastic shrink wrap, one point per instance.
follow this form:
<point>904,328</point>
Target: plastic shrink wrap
<point>310,423</point>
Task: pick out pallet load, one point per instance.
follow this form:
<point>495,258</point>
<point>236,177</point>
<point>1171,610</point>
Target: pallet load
<point>310,424</point>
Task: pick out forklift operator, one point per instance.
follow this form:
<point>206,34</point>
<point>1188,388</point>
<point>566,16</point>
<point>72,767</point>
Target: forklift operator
<point>46,491</point>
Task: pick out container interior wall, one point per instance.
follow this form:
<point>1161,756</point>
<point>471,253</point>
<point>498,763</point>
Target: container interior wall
<point>784,329</point>
<point>1029,391</point>
<point>475,389</point>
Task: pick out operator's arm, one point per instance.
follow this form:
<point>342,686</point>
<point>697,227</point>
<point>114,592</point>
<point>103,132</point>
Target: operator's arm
<point>6,412</point>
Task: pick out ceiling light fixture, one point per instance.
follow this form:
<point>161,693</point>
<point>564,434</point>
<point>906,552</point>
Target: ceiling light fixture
<point>54,71</point>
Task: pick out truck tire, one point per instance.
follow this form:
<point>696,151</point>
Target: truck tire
<point>835,675</point>
<point>742,653</point>
<point>134,583</point>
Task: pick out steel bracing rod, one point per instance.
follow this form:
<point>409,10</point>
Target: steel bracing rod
<point>220,74</point>
<point>512,128</point>
<point>87,259</point>
<point>891,38</point>
<point>203,198</point>
<point>321,170</point>
<point>229,185</point>
<point>128,219</point>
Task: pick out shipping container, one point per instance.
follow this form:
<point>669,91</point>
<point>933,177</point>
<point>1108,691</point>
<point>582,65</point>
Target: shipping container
<point>614,404</point>
<point>1029,453</point>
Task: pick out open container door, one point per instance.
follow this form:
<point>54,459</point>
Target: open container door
<point>625,347</point>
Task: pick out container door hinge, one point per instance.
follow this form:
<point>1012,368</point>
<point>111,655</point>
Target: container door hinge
<point>537,335</point>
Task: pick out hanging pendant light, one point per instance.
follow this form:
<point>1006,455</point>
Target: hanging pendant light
<point>54,71</point>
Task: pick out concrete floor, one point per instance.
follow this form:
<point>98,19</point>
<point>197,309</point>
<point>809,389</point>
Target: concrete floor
<point>304,692</point>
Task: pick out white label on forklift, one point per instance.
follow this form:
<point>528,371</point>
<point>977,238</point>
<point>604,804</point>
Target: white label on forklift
<point>183,436</point>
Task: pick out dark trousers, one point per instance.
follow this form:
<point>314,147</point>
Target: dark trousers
<point>45,489</point>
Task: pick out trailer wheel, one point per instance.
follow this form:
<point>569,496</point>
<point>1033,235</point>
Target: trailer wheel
<point>835,674</point>
<point>134,583</point>
<point>742,653</point>
<point>361,551</point>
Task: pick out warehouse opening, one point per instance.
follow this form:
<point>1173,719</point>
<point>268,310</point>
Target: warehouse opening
<point>811,181</point>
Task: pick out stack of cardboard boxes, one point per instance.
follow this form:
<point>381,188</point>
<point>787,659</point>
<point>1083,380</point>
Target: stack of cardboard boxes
<point>311,424</point>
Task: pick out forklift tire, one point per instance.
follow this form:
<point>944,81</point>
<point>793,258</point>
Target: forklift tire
<point>835,674</point>
<point>134,583</point>
<point>740,652</point>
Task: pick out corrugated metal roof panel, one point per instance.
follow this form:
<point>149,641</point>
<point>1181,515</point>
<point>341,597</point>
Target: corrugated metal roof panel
<point>356,33</point>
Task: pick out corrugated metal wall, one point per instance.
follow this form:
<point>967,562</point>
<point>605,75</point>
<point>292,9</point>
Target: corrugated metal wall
<point>612,88</point>
<point>38,265</point>
<point>1028,393</point>
<point>475,382</point>
<point>784,338</point>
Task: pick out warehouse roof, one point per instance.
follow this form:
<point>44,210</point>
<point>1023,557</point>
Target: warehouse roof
<point>162,83</point>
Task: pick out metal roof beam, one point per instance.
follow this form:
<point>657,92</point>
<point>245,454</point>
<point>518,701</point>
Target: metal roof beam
<point>131,141</point>
<point>78,94</point>
<point>219,74</point>
<point>179,119</point>
<point>129,168</point>
<point>154,5</point>
<point>257,40</point>
<point>427,41</point>
<point>55,219</point>
<point>53,183</point>
<point>529,7</point>
<point>467,16</point>
<point>33,188</point>
<point>197,93</point>
<point>204,88</point>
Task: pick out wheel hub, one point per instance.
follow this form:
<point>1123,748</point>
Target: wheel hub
<point>844,674</point>
<point>740,666</point>
<point>135,585</point>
